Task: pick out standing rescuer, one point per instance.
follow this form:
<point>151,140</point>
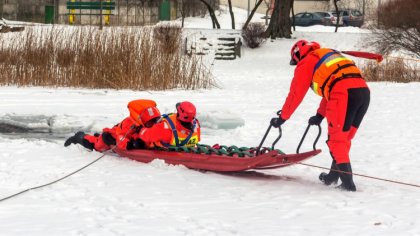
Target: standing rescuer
<point>345,100</point>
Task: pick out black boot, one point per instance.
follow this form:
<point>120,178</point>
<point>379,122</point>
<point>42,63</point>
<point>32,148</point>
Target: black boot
<point>79,138</point>
<point>331,177</point>
<point>346,178</point>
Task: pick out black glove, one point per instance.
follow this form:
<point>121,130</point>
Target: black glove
<point>316,119</point>
<point>136,144</point>
<point>108,139</point>
<point>277,122</point>
<point>79,138</point>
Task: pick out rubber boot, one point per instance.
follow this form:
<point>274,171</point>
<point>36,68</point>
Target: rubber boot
<point>79,138</point>
<point>346,178</point>
<point>332,176</point>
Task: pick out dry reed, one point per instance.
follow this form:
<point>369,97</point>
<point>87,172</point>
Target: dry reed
<point>118,58</point>
<point>391,70</point>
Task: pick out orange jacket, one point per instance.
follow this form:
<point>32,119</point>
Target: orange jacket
<point>162,134</point>
<point>319,70</point>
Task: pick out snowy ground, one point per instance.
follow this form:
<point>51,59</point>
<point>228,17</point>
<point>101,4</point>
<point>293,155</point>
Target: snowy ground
<point>121,197</point>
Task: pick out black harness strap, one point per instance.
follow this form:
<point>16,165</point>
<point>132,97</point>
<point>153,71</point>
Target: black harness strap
<point>345,76</point>
<point>333,73</point>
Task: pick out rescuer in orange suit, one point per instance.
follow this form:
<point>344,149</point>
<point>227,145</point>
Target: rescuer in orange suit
<point>143,113</point>
<point>345,100</point>
<point>174,130</point>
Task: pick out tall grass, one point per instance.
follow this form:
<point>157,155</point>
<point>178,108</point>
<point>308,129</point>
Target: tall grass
<point>118,58</point>
<point>392,70</point>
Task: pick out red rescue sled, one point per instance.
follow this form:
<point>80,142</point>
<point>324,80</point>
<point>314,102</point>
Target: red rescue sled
<point>214,162</point>
<point>258,158</point>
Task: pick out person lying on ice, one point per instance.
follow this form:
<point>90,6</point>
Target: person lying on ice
<point>176,129</point>
<point>143,113</point>
<point>345,100</point>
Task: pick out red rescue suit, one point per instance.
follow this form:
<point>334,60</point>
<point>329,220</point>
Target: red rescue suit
<point>170,132</point>
<point>121,134</point>
<point>345,96</point>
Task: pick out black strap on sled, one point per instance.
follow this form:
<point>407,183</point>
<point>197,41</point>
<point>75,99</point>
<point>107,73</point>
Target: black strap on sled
<point>304,135</point>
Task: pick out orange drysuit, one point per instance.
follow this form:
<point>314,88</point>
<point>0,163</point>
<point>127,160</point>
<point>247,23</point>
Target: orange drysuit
<point>345,96</point>
<point>119,135</point>
<point>124,134</point>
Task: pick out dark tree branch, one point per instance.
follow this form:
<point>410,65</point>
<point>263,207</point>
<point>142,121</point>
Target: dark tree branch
<point>252,14</point>
<point>232,16</point>
<point>338,15</point>
<point>212,14</point>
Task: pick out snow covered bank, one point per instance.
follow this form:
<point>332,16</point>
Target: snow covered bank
<point>121,197</point>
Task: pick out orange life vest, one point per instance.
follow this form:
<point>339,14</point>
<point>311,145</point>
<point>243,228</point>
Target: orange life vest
<point>181,137</point>
<point>331,68</point>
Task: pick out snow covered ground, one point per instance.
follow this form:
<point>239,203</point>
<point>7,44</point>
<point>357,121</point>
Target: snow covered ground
<point>117,196</point>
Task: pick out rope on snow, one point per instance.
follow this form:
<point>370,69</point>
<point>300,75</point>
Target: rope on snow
<point>365,176</point>
<point>64,177</point>
<point>53,182</point>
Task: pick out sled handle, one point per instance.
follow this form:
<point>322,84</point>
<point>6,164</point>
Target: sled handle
<point>263,139</point>
<point>265,136</point>
<point>278,138</point>
<point>304,135</point>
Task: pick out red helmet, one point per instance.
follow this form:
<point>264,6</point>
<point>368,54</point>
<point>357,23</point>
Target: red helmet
<point>185,111</point>
<point>149,116</point>
<point>300,49</point>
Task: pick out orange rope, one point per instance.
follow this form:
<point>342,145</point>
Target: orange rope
<point>366,176</point>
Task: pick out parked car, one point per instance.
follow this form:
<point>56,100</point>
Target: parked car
<point>308,18</point>
<point>352,17</point>
<point>341,22</point>
<point>331,17</point>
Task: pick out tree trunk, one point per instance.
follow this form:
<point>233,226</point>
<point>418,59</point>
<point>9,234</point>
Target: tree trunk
<point>280,24</point>
<point>212,15</point>
<point>1,9</point>
<point>252,14</point>
<point>182,10</point>
<point>338,15</point>
<point>293,17</point>
<point>232,16</point>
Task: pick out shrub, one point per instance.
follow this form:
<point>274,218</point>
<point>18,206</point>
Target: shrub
<point>118,58</point>
<point>398,27</point>
<point>392,70</point>
<point>253,35</point>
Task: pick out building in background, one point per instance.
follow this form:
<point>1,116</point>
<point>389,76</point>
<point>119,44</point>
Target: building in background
<point>87,12</point>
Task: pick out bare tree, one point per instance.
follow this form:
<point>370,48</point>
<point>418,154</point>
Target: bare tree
<point>232,16</point>
<point>399,28</point>
<point>252,14</point>
<point>280,24</point>
<point>1,8</point>
<point>182,11</point>
<point>338,15</point>
<point>212,14</point>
